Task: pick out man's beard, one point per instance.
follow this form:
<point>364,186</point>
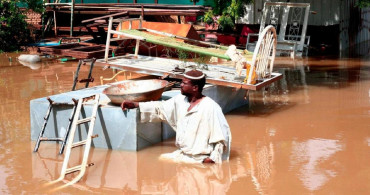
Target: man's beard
<point>184,93</point>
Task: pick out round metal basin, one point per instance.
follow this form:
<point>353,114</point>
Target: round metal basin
<point>137,91</point>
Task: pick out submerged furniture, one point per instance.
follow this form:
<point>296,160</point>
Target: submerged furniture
<point>263,55</point>
<point>46,118</point>
<point>137,31</point>
<point>290,21</point>
<point>217,75</point>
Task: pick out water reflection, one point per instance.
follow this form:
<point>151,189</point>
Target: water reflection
<point>118,171</point>
<point>261,167</point>
<point>3,177</point>
<point>190,179</point>
<point>309,155</point>
<point>33,66</point>
<point>110,172</point>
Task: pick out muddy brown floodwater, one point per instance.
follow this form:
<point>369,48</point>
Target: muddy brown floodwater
<point>309,133</point>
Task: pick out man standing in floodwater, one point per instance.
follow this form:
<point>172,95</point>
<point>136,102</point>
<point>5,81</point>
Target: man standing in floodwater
<point>202,132</point>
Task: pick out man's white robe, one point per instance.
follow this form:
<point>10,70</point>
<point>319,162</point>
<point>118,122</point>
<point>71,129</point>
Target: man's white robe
<point>201,132</point>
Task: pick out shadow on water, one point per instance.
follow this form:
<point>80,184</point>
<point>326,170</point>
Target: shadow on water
<point>261,107</point>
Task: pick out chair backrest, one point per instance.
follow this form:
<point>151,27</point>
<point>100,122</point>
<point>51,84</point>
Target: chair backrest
<point>289,19</point>
<point>264,54</point>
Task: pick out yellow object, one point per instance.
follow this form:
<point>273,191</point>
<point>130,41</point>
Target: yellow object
<point>254,75</point>
<point>114,77</point>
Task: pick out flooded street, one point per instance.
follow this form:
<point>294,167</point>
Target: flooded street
<point>309,133</point>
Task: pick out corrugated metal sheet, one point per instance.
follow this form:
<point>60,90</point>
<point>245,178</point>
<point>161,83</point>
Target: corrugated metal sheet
<point>354,29</point>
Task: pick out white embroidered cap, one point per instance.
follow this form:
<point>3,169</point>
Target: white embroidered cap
<point>194,75</point>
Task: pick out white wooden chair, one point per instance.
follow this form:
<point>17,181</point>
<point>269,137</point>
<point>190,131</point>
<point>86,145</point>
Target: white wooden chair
<point>263,55</point>
<point>290,21</point>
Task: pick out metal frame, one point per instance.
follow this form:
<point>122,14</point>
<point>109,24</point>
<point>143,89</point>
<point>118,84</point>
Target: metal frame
<point>263,67</point>
<point>277,14</point>
<point>46,118</point>
<point>89,78</point>
<point>71,4</point>
<point>111,32</point>
<point>87,142</point>
<point>142,38</point>
<point>168,72</point>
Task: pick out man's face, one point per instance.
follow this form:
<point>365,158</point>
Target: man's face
<point>186,87</point>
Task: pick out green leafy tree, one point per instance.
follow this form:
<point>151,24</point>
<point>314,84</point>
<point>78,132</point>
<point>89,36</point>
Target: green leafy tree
<point>363,3</point>
<point>13,28</point>
<point>228,10</point>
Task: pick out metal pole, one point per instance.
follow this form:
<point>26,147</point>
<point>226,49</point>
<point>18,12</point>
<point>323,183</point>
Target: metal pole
<point>141,20</point>
<point>76,75</point>
<point>142,12</point>
<point>72,10</point>
<point>46,118</point>
<point>75,102</point>
<point>107,45</point>
<point>90,72</point>
<point>55,24</point>
<point>42,20</point>
<point>137,47</point>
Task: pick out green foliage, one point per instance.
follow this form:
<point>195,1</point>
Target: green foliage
<point>229,11</point>
<point>13,27</point>
<point>182,54</point>
<point>226,23</point>
<point>208,17</point>
<point>363,3</point>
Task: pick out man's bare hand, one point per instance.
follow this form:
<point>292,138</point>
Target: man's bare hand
<point>129,105</point>
<point>208,160</point>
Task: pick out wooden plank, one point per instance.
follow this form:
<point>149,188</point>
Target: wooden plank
<point>104,17</point>
<point>187,39</point>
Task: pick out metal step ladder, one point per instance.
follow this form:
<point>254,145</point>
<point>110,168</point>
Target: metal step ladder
<point>86,142</point>
<point>46,118</point>
<point>89,78</point>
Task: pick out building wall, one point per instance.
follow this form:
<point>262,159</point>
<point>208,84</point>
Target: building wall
<point>328,11</point>
<point>353,24</point>
<point>354,29</point>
